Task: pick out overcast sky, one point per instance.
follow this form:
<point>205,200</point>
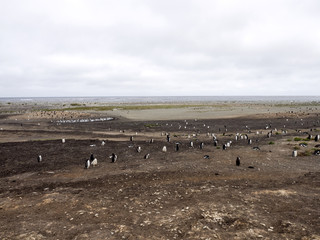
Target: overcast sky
<point>159,47</point>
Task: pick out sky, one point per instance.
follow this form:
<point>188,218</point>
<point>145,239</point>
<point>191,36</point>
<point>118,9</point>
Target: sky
<point>58,48</point>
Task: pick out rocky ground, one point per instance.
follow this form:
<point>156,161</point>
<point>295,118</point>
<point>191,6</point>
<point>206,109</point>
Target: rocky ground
<point>171,195</point>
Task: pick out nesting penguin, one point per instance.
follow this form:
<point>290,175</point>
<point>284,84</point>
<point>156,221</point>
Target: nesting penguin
<point>164,149</point>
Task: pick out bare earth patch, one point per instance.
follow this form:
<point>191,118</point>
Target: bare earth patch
<point>191,193</point>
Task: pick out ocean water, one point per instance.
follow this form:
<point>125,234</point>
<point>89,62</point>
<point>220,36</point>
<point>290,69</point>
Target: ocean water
<point>161,99</point>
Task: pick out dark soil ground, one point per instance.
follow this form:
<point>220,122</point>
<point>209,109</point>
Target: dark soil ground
<point>171,195</point>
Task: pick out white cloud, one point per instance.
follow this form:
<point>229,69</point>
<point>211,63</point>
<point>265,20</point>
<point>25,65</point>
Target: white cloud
<point>142,47</point>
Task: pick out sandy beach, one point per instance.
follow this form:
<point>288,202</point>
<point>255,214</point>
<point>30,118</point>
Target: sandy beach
<point>187,192</point>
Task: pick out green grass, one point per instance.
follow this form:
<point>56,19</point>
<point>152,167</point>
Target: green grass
<point>296,104</point>
<point>271,143</point>
<point>297,139</point>
<point>76,104</point>
<point>296,148</point>
<point>305,153</point>
<point>151,125</point>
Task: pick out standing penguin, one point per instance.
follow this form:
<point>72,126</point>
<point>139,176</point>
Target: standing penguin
<point>168,138</point>
<point>87,164</point>
<point>39,158</point>
<point>114,157</point>
<point>177,146</point>
<point>238,161</point>
<point>138,149</point>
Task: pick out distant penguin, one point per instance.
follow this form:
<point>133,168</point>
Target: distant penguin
<point>87,164</point>
<point>103,143</point>
<point>177,146</point>
<point>151,140</point>
<point>63,140</point>
<point>131,138</point>
<point>295,153</point>
<point>215,143</point>
<point>201,145</point>
<point>168,138</point>
<point>114,157</point>
<point>238,161</point>
<point>39,158</point>
<point>147,156</point>
<point>91,157</point>
<point>191,144</point>
<point>94,162</point>
<point>164,149</point>
<point>138,149</point>
<point>224,147</point>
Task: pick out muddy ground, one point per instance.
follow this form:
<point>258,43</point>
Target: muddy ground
<point>171,195</point>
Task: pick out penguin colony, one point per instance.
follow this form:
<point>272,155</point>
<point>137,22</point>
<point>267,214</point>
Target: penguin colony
<point>92,161</point>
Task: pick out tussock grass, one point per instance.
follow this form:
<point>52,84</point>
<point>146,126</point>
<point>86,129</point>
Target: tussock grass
<point>305,153</point>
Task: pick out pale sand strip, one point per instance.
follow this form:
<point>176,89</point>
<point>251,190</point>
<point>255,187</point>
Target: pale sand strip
<point>204,112</point>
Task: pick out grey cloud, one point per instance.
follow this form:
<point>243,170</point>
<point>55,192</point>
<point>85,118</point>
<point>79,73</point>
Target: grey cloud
<point>169,47</point>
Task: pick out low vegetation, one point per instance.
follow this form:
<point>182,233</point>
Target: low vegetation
<point>305,153</point>
<point>152,125</point>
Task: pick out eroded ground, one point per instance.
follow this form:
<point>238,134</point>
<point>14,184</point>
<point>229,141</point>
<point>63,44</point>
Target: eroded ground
<point>171,195</point>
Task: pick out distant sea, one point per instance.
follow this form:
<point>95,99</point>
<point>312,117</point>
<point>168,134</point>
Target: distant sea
<point>162,99</point>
